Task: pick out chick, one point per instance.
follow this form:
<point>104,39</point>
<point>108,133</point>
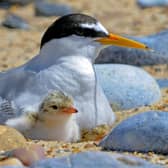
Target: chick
<point>55,120</point>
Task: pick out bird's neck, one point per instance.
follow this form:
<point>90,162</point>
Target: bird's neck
<point>56,49</point>
<point>72,45</point>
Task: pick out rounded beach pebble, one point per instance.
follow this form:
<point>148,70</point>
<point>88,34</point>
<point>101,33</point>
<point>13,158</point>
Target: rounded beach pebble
<point>10,139</point>
<point>10,162</point>
<point>127,86</point>
<point>143,132</point>
<point>95,160</point>
<point>151,3</point>
<point>29,156</point>
<point>163,83</point>
<point>15,22</point>
<point>20,2</point>
<point>22,156</point>
<point>51,9</point>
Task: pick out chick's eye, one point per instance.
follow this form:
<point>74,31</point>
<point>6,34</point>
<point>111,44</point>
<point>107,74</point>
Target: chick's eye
<point>54,107</point>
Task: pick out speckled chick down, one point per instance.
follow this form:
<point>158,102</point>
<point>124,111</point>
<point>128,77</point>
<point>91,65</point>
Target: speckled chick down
<point>50,122</point>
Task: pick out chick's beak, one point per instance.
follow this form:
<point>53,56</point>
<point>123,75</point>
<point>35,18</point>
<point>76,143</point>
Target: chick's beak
<point>69,110</point>
<point>113,39</point>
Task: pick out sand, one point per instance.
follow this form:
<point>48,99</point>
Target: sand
<point>123,17</point>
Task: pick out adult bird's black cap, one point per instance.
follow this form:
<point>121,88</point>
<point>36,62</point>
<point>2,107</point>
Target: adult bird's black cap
<point>72,25</point>
<point>86,26</point>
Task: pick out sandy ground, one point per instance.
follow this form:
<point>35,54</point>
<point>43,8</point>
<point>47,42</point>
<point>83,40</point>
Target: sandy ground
<point>123,17</point>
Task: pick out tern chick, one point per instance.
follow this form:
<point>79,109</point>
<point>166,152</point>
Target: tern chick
<point>55,120</point>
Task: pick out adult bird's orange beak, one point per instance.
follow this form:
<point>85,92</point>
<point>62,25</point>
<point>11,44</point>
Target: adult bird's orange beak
<point>113,39</point>
<point>69,110</point>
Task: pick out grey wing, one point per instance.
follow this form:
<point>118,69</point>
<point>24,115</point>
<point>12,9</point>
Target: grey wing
<point>13,82</point>
<point>6,111</point>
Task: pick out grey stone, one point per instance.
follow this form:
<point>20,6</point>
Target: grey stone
<point>51,9</point>
<point>143,132</point>
<point>127,86</point>
<point>20,2</point>
<point>163,83</point>
<point>14,167</point>
<point>151,3</point>
<point>4,5</point>
<point>158,42</point>
<point>95,160</point>
<point>14,21</point>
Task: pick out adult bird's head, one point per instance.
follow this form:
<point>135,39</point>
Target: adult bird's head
<point>82,35</point>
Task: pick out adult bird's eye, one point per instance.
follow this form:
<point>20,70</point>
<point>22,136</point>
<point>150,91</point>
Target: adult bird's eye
<point>54,107</point>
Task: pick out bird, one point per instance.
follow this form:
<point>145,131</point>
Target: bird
<point>65,61</point>
<point>55,120</point>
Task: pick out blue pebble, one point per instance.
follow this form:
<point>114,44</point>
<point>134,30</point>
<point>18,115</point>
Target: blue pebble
<point>151,3</point>
<point>163,83</point>
<point>95,160</point>
<point>51,9</point>
<point>158,42</point>
<point>14,167</point>
<point>14,21</point>
<point>7,3</point>
<point>143,132</point>
<point>127,86</point>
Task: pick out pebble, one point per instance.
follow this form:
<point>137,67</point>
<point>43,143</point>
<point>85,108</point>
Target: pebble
<point>51,9</point>
<point>95,160</point>
<point>20,2</point>
<point>22,156</point>
<point>4,5</point>
<point>15,22</point>
<point>144,132</point>
<point>29,156</point>
<point>159,55</point>
<point>151,3</point>
<point>14,167</point>
<point>10,139</point>
<point>10,162</point>
<point>127,86</point>
<point>163,83</point>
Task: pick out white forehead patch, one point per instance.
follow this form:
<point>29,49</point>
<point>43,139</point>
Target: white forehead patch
<point>98,26</point>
